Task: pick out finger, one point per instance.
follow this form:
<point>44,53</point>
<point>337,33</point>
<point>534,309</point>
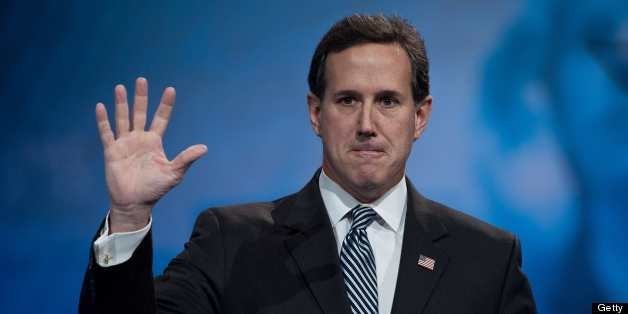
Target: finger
<point>104,129</point>
<point>162,116</point>
<point>185,159</point>
<point>122,111</point>
<point>140,103</point>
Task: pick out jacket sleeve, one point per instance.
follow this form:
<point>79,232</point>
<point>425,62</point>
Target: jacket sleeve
<point>516,296</point>
<point>123,288</point>
<point>191,283</point>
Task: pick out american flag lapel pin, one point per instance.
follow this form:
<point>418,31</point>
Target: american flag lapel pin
<point>426,262</point>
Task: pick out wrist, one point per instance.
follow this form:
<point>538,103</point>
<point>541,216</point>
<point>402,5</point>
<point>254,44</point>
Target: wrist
<point>128,220</point>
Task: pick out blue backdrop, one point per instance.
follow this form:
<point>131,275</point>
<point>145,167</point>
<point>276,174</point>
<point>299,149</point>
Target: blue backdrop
<point>529,129</point>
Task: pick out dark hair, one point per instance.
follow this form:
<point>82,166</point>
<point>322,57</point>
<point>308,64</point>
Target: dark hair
<point>360,29</point>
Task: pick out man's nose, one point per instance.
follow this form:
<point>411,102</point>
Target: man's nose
<point>365,121</point>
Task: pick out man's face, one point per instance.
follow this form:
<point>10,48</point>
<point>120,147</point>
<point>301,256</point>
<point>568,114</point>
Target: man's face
<point>367,118</point>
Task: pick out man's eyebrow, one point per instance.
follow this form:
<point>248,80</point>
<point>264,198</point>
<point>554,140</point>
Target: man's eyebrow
<point>379,94</point>
<point>347,92</point>
<point>389,93</point>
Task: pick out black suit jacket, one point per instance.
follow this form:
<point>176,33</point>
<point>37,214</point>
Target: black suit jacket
<point>281,257</point>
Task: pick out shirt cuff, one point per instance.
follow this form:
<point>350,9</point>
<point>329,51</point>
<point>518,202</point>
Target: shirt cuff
<point>117,248</point>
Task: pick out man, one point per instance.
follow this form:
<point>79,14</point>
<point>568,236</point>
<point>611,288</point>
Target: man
<point>358,238</point>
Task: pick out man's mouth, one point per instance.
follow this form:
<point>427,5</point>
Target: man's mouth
<point>367,151</point>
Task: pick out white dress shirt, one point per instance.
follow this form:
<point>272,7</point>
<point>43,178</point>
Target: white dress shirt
<point>117,248</point>
<point>385,234</point>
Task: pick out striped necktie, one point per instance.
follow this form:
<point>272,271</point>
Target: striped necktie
<point>358,263</point>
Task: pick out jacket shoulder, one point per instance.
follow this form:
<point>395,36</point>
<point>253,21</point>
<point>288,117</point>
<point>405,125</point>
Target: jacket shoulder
<point>244,216</point>
<point>462,225</point>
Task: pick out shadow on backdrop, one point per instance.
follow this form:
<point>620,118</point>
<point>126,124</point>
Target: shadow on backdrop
<point>554,96</point>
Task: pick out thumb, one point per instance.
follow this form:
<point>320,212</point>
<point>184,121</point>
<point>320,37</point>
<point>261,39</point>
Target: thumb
<point>185,158</point>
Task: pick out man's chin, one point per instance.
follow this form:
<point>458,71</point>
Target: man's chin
<point>368,180</point>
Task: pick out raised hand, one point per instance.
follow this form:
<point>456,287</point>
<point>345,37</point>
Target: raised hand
<point>137,171</point>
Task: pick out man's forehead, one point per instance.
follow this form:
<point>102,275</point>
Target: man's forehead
<point>385,65</point>
<point>368,52</point>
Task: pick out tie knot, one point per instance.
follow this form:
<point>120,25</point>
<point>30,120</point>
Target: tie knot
<point>361,217</point>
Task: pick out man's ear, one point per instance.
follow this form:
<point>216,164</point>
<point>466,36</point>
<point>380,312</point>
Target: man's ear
<point>314,108</point>
<point>423,111</point>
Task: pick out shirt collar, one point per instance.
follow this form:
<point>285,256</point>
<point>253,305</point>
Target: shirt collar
<point>390,206</point>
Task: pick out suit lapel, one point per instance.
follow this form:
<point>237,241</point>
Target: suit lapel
<point>311,243</point>
<point>422,229</point>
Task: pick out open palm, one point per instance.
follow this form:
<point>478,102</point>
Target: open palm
<point>137,171</point>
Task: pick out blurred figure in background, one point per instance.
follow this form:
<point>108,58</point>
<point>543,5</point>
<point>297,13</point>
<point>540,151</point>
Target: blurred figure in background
<point>555,97</point>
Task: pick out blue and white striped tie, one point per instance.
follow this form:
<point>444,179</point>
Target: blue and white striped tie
<point>358,263</point>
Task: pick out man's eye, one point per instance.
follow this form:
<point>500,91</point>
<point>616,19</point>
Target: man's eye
<point>389,102</point>
<point>346,101</point>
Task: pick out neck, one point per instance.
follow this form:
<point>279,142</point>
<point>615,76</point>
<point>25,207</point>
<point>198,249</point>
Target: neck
<point>365,193</point>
